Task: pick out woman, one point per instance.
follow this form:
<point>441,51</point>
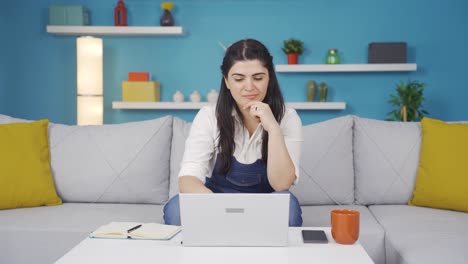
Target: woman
<point>250,142</point>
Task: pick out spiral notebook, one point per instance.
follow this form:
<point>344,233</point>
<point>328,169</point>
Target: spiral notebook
<point>133,230</point>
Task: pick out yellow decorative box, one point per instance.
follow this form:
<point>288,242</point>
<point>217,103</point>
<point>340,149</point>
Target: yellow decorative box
<point>141,91</point>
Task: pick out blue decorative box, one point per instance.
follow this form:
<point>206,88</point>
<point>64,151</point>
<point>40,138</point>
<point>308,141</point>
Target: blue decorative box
<point>68,15</point>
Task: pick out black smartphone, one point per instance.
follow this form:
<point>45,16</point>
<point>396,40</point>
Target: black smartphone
<point>314,236</point>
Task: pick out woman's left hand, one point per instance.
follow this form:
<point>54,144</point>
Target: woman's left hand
<point>262,113</point>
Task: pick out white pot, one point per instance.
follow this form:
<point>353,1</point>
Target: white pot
<point>212,96</point>
<point>195,97</point>
<point>178,97</point>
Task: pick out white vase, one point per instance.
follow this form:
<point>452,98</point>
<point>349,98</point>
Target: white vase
<point>212,96</point>
<point>178,97</point>
<point>195,97</point>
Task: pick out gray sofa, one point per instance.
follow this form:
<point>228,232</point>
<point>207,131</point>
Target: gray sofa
<point>126,172</point>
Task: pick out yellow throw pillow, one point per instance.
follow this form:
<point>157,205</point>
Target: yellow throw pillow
<point>442,180</point>
<point>25,173</point>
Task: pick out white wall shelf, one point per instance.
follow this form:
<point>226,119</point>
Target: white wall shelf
<point>317,105</point>
<point>114,31</point>
<point>191,105</point>
<point>387,67</point>
<point>158,105</point>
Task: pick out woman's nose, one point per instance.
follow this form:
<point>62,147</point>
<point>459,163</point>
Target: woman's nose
<point>249,84</point>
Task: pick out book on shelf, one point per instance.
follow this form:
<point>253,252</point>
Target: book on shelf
<point>133,230</point>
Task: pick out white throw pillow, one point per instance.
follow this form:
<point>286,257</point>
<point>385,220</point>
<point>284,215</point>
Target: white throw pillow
<point>327,163</point>
<point>386,158</point>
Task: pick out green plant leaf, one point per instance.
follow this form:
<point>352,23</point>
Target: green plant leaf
<point>293,46</point>
<point>409,94</point>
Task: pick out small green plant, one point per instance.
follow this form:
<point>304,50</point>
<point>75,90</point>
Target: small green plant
<point>293,46</point>
<point>409,100</point>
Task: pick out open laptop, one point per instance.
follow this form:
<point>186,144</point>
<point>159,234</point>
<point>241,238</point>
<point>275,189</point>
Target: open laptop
<point>234,219</point>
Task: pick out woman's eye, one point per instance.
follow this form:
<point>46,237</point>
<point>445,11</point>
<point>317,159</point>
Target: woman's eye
<point>258,78</point>
<point>238,80</point>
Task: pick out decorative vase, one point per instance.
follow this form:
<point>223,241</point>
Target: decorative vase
<point>311,90</point>
<point>323,92</point>
<point>293,58</point>
<point>212,96</point>
<point>120,14</point>
<point>332,57</point>
<point>178,97</point>
<point>195,97</point>
<point>166,19</point>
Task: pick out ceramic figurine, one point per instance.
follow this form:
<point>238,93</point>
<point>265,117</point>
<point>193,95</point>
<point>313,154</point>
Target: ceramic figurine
<point>212,96</point>
<point>195,97</point>
<point>178,97</point>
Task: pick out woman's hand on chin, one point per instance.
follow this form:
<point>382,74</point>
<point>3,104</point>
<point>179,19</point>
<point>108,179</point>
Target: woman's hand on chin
<point>262,113</point>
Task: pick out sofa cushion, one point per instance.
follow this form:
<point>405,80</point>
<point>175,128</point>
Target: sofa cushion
<point>442,175</point>
<point>423,235</point>
<point>47,233</point>
<point>371,234</point>
<point>180,132</point>
<point>386,156</point>
<point>25,173</point>
<point>326,158</point>
<point>123,163</point>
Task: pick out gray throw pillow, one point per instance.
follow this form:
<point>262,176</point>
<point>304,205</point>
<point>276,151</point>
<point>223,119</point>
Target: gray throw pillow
<point>117,163</point>
<point>180,132</point>
<point>326,163</point>
<point>386,158</point>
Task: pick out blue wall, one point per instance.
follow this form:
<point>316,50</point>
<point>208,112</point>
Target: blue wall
<point>3,61</point>
<point>40,74</point>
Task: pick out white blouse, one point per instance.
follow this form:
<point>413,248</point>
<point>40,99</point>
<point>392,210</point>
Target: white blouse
<point>201,145</point>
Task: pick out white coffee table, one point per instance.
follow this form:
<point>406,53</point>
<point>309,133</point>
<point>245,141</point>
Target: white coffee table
<point>127,251</point>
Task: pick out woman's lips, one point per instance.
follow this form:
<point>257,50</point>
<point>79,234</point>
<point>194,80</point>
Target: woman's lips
<point>250,96</point>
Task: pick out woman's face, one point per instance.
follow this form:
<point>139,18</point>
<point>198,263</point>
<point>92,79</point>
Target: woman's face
<point>248,81</point>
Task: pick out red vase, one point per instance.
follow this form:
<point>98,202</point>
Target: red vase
<point>293,58</point>
<point>120,14</point>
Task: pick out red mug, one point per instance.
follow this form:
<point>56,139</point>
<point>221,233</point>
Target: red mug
<point>345,226</point>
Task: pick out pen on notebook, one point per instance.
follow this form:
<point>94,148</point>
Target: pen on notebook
<point>133,228</point>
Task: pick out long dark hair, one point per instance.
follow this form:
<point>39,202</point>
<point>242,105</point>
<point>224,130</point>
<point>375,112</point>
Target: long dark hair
<point>247,49</point>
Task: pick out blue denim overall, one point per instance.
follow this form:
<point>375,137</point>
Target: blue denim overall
<point>241,178</point>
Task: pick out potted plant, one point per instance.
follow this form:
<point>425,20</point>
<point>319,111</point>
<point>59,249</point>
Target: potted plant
<point>408,101</point>
<point>293,48</point>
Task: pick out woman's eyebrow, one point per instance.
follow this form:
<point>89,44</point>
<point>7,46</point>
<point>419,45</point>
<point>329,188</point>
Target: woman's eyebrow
<point>242,75</point>
<point>259,73</point>
<point>238,74</point>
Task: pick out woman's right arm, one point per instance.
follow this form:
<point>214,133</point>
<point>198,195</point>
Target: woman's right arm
<point>191,184</point>
<point>198,154</point>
